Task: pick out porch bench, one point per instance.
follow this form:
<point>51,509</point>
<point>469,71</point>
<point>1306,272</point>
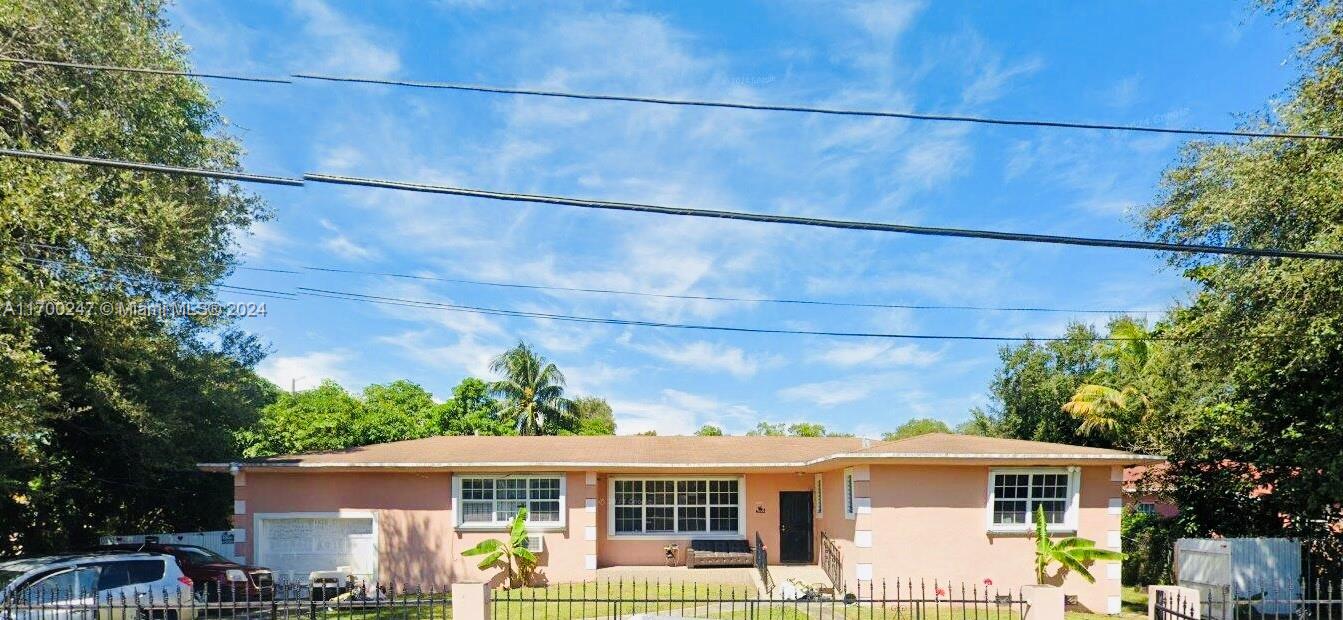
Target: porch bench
<point>704,553</point>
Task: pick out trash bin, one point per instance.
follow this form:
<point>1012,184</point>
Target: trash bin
<point>328,584</point>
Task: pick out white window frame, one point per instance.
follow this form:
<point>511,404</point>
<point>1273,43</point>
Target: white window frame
<point>496,526</point>
<point>676,535</point>
<point>819,489</point>
<point>1070,513</point>
<point>850,499</point>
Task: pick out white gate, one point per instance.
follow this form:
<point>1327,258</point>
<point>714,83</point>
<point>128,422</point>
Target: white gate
<point>1225,570</point>
<point>221,542</point>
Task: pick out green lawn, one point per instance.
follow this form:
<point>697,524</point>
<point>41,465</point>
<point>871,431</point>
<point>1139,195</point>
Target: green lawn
<point>588,600</point>
<point>1134,607</point>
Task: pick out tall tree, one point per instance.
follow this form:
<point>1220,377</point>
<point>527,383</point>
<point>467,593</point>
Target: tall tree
<point>1032,384</point>
<point>471,411</point>
<point>709,430</point>
<point>104,413</point>
<point>532,391</point>
<point>1264,403</point>
<point>593,416</point>
<point>916,427</point>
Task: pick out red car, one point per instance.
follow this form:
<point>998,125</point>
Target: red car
<point>215,576</point>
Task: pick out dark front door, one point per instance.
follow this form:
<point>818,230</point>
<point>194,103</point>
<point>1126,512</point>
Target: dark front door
<point>795,526</point>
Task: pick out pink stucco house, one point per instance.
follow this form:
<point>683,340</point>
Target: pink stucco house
<point>947,506</point>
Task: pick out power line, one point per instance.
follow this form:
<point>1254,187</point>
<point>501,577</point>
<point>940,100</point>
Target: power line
<point>80,65</point>
<point>131,165</point>
<point>684,211</point>
<point>984,120</point>
<point>413,303</point>
<point>490,89</point>
<point>819,222</point>
<point>722,298</point>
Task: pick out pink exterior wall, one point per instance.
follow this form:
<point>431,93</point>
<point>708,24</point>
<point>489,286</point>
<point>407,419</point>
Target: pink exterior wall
<point>761,490</point>
<point>418,542</point>
<point>931,521</point>
<point>925,521</point>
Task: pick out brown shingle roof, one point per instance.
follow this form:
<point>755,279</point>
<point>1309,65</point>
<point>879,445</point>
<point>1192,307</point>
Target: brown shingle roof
<point>643,452</point>
<point>946,443</point>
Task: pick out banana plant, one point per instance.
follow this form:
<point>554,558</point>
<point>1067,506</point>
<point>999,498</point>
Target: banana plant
<point>511,555</point>
<point>1072,552</point>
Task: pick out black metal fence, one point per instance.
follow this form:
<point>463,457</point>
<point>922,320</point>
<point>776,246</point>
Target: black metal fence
<point>832,563</point>
<point>1172,606</point>
<point>349,601</point>
<point>762,563</point>
<point>1306,599</point>
<point>900,600</point>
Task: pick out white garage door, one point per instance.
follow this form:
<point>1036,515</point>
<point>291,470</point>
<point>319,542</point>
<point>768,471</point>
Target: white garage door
<point>295,546</point>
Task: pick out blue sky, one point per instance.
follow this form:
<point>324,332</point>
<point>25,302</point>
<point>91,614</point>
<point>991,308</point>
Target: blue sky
<point>1161,63</point>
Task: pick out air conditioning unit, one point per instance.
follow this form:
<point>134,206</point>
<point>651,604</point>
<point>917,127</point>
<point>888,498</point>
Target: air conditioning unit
<point>536,543</point>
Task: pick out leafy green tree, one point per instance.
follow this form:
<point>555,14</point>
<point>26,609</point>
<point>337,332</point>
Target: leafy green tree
<point>470,411</point>
<point>315,420</point>
<point>532,390</point>
<point>806,429</point>
<point>767,429</point>
<point>1260,395</point>
<point>396,411</point>
<point>512,555</point>
<point>1032,384</point>
<point>593,416</point>
<point>709,430</point>
<point>104,414</point>
<point>916,427</point>
<point>1073,553</point>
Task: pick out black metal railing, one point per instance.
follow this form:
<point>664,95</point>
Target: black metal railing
<point>1172,606</point>
<point>282,601</point>
<point>1304,599</point>
<point>900,600</point>
<point>762,564</point>
<point>832,563</point>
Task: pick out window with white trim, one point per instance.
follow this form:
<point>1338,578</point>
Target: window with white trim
<point>1016,494</point>
<point>1146,508</point>
<point>850,511</point>
<point>820,499</point>
<point>488,501</point>
<point>672,506</point>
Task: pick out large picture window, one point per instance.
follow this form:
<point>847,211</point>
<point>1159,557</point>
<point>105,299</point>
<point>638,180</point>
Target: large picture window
<point>659,506</point>
<point>1016,494</point>
<point>493,501</point>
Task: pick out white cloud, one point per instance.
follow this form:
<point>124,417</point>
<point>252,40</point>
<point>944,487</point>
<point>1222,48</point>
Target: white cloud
<point>832,392</point>
<point>307,370</point>
<point>703,355</point>
<point>680,413</point>
<point>342,246</point>
<point>845,354</point>
<point>259,239</point>
<point>467,355</point>
<point>338,45</point>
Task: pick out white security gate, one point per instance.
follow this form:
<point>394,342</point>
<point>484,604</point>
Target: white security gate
<point>221,542</point>
<point>295,545</point>
<point>1224,570</point>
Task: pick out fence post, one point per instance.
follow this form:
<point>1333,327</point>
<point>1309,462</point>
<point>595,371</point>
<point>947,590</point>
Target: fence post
<point>1043,602</point>
<point>471,601</point>
<point>1189,598</point>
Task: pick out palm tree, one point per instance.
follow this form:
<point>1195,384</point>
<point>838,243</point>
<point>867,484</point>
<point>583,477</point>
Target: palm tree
<point>532,389</point>
<point>1121,392</point>
<point>1073,553</point>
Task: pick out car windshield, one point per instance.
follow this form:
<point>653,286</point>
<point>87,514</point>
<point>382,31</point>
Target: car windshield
<point>200,555</point>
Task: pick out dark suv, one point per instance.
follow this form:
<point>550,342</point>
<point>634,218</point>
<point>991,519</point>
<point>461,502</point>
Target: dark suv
<point>215,576</point>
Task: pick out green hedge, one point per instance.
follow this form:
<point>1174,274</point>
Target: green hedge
<point>1149,541</point>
